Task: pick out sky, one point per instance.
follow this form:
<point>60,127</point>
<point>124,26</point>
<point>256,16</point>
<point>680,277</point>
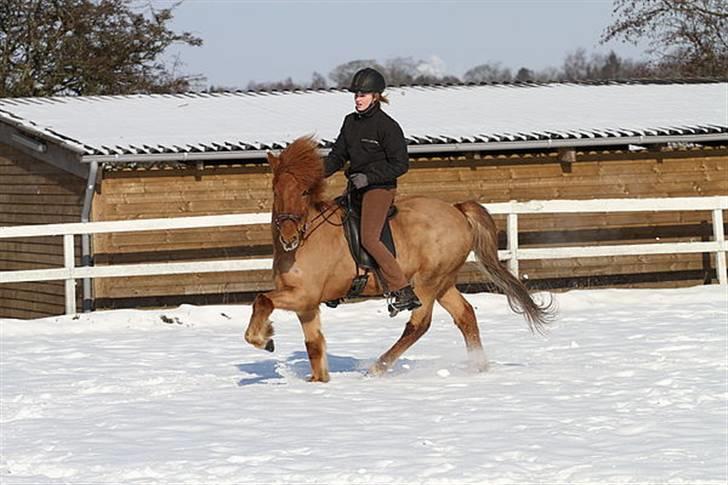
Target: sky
<point>248,40</point>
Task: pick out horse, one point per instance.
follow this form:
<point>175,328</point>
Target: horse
<point>312,262</point>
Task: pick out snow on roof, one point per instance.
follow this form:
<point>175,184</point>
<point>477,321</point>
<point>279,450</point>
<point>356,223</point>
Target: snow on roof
<point>429,115</point>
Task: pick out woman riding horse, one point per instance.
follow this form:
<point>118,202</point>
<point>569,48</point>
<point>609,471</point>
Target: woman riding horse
<point>312,263</point>
<point>375,147</point>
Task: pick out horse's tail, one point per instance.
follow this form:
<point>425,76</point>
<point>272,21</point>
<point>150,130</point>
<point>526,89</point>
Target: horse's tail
<point>485,246</point>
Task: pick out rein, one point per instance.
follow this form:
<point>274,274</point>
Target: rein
<point>325,215</point>
<point>303,229</point>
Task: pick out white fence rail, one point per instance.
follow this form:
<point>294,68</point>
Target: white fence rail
<point>513,254</point>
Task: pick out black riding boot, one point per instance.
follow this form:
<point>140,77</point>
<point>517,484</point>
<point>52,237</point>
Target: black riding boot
<point>404,299</point>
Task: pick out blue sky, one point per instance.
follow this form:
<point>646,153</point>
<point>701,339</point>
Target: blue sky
<point>270,40</point>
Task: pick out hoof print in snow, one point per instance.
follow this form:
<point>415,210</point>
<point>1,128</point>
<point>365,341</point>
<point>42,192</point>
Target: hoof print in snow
<point>170,321</point>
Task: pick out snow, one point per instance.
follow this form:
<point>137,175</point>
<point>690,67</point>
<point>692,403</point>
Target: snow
<point>629,386</point>
<point>117,124</point>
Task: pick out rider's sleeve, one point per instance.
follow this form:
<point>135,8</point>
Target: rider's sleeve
<point>397,162</point>
<point>338,155</point>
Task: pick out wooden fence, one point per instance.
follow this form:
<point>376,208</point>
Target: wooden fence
<point>513,254</point>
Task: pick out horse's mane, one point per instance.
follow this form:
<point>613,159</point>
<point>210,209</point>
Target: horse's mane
<point>301,160</point>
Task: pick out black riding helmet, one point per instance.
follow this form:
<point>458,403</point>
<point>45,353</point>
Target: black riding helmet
<point>367,80</point>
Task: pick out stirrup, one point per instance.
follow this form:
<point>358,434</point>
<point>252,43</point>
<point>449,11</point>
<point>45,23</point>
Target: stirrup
<point>394,309</point>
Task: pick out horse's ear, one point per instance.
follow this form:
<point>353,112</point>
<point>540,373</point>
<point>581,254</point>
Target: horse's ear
<point>272,161</point>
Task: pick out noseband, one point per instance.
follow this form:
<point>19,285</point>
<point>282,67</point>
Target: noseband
<point>302,227</point>
<point>296,219</point>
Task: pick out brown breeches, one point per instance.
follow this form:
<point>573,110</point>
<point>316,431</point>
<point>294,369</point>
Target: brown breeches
<point>375,206</point>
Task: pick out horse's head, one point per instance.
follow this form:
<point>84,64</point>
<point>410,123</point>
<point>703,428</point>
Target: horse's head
<point>297,187</point>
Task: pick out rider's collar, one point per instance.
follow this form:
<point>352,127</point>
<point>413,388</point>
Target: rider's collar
<point>373,108</point>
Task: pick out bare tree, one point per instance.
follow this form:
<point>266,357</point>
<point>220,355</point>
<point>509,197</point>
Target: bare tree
<point>489,72</point>
<point>287,84</point>
<point>318,81</point>
<point>91,47</point>
<point>686,37</point>
<point>548,74</point>
<point>524,74</point>
<point>433,79</point>
<point>341,75</point>
<point>613,66</point>
<point>578,67</point>
<point>401,70</point>
<point>397,71</point>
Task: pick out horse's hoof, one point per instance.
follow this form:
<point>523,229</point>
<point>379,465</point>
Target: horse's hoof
<point>270,346</point>
<point>377,370</point>
<point>478,362</point>
<point>478,367</point>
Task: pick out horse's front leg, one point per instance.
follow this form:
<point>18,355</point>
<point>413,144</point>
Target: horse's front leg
<point>260,329</point>
<point>315,344</point>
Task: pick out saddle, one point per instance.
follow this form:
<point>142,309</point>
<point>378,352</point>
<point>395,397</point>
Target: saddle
<point>350,204</point>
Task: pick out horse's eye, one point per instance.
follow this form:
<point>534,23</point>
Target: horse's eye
<point>306,192</point>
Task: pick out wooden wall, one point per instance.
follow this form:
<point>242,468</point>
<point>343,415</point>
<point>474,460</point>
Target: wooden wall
<point>146,193</point>
<point>594,175</point>
<point>33,192</point>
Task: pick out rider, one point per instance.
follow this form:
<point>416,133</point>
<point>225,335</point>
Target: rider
<point>374,144</point>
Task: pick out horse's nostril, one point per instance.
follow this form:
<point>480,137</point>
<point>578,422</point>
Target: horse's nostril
<point>289,246</point>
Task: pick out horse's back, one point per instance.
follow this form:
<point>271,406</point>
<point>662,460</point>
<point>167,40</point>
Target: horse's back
<point>429,210</point>
<point>429,229</point>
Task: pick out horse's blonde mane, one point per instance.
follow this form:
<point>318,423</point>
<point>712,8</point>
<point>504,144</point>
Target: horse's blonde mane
<point>301,160</point>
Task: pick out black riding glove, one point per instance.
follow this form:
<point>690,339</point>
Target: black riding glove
<point>358,180</point>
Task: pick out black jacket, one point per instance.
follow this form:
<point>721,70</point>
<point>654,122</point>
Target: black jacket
<point>374,145</point>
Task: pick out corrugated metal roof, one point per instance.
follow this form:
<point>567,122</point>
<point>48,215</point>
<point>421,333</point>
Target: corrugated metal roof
<point>429,115</point>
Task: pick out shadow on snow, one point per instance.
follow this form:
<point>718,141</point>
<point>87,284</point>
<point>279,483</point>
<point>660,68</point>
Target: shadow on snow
<point>296,364</point>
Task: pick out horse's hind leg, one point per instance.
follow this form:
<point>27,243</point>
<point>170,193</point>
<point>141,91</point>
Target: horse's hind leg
<point>418,324</point>
<point>464,316</point>
<point>315,344</point>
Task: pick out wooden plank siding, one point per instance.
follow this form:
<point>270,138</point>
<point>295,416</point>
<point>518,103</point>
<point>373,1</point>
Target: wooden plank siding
<point>34,192</point>
<point>223,189</point>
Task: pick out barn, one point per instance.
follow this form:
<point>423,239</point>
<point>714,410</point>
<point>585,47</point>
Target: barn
<point>102,158</point>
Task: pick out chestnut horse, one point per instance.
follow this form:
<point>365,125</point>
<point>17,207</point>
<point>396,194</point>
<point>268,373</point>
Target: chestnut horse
<point>312,262</point>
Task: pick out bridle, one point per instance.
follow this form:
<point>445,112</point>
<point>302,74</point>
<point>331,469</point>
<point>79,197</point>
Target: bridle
<point>302,226</point>
<point>286,216</point>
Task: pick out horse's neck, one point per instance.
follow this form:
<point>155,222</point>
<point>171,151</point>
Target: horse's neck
<point>324,231</point>
<point>321,207</point>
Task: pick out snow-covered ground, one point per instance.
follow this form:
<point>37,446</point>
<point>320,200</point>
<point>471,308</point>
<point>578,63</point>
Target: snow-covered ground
<point>630,386</point>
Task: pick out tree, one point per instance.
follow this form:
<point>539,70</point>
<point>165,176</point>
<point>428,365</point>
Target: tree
<point>396,71</point>
<point>287,84</point>
<point>489,72</point>
<point>318,81</point>
<point>612,66</point>
<point>686,37</point>
<point>341,75</point>
<point>87,47</point>
<point>524,74</point>
<point>576,66</point>
<point>400,70</point>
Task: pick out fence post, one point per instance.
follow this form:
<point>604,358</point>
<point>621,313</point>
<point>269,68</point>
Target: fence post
<point>69,262</point>
<point>512,235</point>
<point>719,237</point>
